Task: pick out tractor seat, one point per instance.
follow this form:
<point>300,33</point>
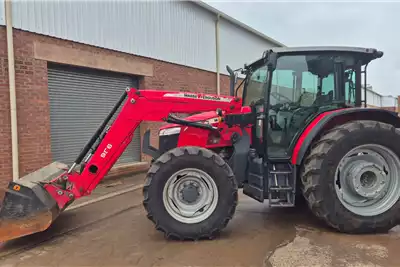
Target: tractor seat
<point>327,98</point>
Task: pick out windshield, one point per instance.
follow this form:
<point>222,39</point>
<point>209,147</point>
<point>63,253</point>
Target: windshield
<point>255,86</point>
<point>304,79</point>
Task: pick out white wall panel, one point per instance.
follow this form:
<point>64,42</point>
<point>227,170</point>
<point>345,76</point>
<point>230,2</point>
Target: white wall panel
<point>373,98</point>
<point>178,32</point>
<point>239,46</point>
<point>2,13</point>
<point>389,101</point>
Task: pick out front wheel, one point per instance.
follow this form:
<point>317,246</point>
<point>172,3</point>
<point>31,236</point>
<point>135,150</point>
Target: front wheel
<point>190,193</point>
<point>351,177</point>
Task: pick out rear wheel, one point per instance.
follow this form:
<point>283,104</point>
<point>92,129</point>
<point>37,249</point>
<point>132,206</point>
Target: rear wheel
<point>351,177</point>
<point>190,193</point>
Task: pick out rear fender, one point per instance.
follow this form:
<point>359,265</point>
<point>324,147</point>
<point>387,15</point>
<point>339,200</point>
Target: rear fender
<point>329,119</point>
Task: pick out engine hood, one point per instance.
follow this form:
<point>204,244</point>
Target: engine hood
<point>197,117</point>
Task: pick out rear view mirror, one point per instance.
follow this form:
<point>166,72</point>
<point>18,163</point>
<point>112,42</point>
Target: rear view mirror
<point>233,80</point>
<point>230,71</point>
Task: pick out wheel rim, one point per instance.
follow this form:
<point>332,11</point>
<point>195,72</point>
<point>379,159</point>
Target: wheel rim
<point>367,180</point>
<point>190,195</point>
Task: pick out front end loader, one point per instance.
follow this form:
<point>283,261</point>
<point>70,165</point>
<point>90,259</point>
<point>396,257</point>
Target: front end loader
<point>33,202</point>
<point>299,129</point>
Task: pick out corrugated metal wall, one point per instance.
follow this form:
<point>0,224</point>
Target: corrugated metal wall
<point>373,98</point>
<point>389,101</point>
<point>239,46</point>
<point>178,32</point>
<point>174,31</point>
<point>2,13</point>
<point>377,100</point>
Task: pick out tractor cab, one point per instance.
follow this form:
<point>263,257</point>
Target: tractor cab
<point>297,84</point>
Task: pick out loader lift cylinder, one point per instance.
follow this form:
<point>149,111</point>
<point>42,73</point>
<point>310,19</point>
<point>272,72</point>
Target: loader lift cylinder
<point>99,130</point>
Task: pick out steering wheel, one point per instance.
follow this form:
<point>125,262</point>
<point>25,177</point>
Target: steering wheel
<point>287,105</point>
<point>278,95</point>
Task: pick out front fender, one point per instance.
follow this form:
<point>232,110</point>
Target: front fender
<point>329,119</point>
<point>188,136</point>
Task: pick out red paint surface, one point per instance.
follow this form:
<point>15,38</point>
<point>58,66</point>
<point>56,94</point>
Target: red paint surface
<point>199,137</point>
<point>149,105</point>
<point>306,132</point>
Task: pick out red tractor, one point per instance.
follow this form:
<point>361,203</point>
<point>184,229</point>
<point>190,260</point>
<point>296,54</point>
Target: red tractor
<point>300,129</point>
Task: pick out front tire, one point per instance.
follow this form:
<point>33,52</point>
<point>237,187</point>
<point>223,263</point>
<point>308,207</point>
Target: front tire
<point>190,193</point>
<point>351,177</point>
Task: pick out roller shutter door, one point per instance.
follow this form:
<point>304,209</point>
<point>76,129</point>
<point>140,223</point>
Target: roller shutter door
<point>80,99</point>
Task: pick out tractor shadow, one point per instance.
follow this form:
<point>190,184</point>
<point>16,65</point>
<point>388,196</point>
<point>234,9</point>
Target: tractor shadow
<point>259,217</point>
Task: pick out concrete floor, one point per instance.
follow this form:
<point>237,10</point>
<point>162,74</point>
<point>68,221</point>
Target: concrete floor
<point>115,232</point>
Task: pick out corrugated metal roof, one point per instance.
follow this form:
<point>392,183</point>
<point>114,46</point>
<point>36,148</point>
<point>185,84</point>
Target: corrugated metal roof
<point>237,22</point>
<point>180,32</point>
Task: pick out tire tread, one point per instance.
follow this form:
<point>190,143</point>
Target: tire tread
<point>312,179</point>
<point>181,152</point>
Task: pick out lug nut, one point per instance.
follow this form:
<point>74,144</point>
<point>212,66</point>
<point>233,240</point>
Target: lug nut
<point>59,192</point>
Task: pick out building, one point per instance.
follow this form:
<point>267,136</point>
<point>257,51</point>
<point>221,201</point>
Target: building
<point>377,100</point>
<point>64,50</point>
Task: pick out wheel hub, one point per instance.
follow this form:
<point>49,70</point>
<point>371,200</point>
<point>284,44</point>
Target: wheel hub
<point>366,179</point>
<point>190,195</point>
<point>190,192</point>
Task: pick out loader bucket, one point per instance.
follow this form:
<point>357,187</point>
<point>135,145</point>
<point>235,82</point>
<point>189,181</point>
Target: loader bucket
<point>27,207</point>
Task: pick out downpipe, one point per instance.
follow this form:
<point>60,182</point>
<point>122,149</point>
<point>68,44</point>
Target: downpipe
<point>217,54</point>
<point>11,81</point>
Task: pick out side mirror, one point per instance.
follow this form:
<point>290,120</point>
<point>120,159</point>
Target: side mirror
<point>230,71</point>
<point>271,60</point>
<point>233,80</point>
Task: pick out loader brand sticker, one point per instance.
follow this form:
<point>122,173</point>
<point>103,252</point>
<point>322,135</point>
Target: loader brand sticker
<point>199,96</point>
<point>105,151</point>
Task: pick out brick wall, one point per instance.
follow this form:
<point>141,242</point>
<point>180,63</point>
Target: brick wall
<point>32,109</point>
<point>5,137</point>
<point>32,96</point>
<point>398,104</point>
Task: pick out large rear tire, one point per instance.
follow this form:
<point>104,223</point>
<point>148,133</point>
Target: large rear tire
<point>351,177</point>
<point>190,193</point>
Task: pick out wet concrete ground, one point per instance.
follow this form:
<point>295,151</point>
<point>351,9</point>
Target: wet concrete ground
<point>117,233</point>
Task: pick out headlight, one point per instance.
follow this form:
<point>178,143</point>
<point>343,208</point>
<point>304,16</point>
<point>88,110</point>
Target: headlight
<point>212,120</point>
<point>170,131</point>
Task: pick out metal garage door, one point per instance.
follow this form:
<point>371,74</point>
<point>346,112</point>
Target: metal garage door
<point>80,99</point>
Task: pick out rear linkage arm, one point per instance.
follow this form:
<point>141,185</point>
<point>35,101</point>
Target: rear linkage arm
<point>146,105</point>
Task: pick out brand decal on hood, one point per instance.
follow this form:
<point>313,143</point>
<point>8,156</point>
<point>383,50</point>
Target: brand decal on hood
<point>199,96</point>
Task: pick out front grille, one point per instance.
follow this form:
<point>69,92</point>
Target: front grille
<point>167,142</point>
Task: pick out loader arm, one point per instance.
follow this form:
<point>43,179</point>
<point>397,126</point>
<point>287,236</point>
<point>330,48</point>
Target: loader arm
<point>31,205</point>
<point>147,105</point>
